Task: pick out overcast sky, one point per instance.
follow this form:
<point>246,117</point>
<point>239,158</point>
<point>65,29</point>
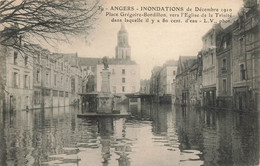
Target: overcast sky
<point>151,44</point>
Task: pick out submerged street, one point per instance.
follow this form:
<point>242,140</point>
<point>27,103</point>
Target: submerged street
<point>164,135</point>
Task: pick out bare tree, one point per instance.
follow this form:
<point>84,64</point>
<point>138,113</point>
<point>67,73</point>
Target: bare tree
<point>34,21</point>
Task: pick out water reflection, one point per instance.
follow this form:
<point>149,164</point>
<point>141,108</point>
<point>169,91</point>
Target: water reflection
<point>155,135</point>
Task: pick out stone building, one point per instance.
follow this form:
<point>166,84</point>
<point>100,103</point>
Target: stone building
<point>185,78</point>
<point>42,78</point>
<point>167,74</point>
<point>209,82</point>
<point>162,81</point>
<point>57,79</point>
<point>145,86</point>
<point>16,79</point>
<point>229,66</point>
<point>245,58</point>
<point>224,68</point>
<point>124,78</point>
<point>155,86</point>
<point>38,79</point>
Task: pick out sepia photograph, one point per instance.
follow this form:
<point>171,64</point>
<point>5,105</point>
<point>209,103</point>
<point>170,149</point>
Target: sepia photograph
<point>129,83</point>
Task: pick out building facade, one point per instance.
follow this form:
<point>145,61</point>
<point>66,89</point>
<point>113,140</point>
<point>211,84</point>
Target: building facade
<point>57,79</point>
<point>38,79</point>
<point>245,51</point>
<point>17,80</point>
<point>224,72</point>
<point>168,74</point>
<point>155,80</point>
<point>124,78</point>
<point>186,90</point>
<point>228,65</point>
<point>209,82</point>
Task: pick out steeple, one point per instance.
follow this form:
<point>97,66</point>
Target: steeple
<point>123,50</point>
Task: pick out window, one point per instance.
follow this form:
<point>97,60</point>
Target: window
<point>26,81</point>
<point>249,37</point>
<point>61,80</point>
<point>26,60</point>
<point>47,60</point>
<point>37,97</point>
<point>38,76</point>
<point>123,71</point>
<point>123,80</point>
<point>225,45</point>
<point>211,40</point>
<point>212,57</point>
<point>61,94</point>
<point>38,58</point>
<point>224,64</point>
<point>15,80</point>
<point>47,92</point>
<point>224,84</point>
<point>174,72</point>
<point>73,85</point>
<point>47,78</point>
<point>241,46</point>
<point>123,89</point>
<point>62,66</point>
<point>242,72</point>
<point>55,93</point>
<point>55,79</point>
<point>15,57</point>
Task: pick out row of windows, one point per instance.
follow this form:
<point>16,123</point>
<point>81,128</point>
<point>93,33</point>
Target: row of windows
<point>16,59</point>
<point>113,71</point>
<point>242,69</point>
<point>56,64</point>
<point>47,92</point>
<point>47,78</point>
<point>123,89</point>
<point>16,79</point>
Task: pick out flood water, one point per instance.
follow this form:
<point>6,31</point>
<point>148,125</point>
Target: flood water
<point>155,136</point>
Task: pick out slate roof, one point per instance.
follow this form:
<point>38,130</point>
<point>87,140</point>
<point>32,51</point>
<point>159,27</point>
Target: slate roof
<point>185,62</point>
<point>71,58</point>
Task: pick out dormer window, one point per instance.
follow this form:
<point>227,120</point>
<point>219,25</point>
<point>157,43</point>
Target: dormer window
<point>225,45</point>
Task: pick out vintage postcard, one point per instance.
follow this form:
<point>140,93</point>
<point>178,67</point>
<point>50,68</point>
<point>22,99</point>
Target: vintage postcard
<point>129,82</point>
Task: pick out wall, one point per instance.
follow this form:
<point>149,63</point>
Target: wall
<point>19,94</point>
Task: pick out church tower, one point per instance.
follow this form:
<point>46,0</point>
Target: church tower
<point>123,50</point>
